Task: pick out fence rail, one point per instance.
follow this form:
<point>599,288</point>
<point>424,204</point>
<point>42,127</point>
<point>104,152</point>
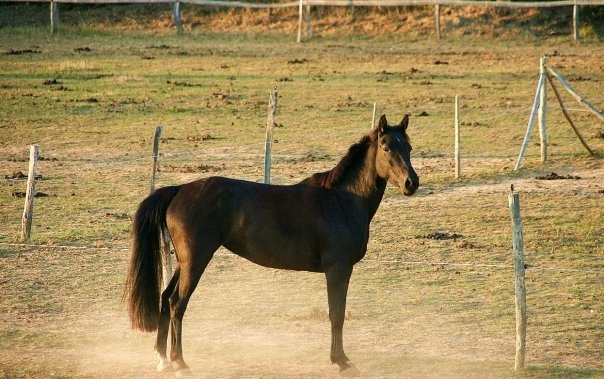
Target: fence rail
<point>302,4</point>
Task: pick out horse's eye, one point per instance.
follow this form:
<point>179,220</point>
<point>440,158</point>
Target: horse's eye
<point>385,148</point>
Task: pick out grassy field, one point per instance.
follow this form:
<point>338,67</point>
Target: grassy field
<point>434,296</point>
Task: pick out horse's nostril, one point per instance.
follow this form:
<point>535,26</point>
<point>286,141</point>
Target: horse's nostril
<point>408,183</point>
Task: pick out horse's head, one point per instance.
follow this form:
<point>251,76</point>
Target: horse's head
<point>393,157</point>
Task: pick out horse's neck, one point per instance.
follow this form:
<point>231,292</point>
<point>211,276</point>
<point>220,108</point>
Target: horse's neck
<point>363,181</point>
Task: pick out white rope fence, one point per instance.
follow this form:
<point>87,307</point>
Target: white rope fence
<point>307,4</point>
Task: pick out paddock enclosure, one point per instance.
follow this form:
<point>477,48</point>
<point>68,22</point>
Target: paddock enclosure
<point>434,296</point>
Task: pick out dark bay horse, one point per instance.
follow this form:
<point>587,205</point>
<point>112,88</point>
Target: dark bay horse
<point>320,225</point>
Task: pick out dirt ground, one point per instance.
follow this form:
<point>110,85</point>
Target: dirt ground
<point>252,322</point>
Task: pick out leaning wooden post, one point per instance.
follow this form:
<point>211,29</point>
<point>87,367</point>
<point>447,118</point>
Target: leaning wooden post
<point>590,107</point>
<point>53,17</point>
<point>542,115</point>
<point>28,209</point>
<point>177,18</point>
<point>270,123</point>
<point>567,116</point>
<point>530,122</point>
<point>457,140</point>
<point>156,138</point>
<point>519,282</point>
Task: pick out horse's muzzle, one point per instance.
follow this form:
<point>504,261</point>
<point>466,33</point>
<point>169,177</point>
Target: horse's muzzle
<point>411,185</point>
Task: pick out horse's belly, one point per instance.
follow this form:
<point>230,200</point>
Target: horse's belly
<point>274,250</point>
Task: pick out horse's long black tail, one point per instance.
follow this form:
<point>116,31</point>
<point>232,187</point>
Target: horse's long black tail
<point>143,284</point>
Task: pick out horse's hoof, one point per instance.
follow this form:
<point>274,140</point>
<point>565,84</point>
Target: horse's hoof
<point>164,365</point>
<point>350,371</point>
<point>184,373</point>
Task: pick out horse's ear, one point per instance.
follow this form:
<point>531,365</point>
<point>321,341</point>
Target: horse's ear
<point>382,123</point>
<point>404,123</point>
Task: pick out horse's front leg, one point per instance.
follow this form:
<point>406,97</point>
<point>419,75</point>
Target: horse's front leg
<point>338,277</point>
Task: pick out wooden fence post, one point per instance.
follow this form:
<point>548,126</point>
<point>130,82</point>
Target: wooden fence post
<point>300,8</point>
<point>542,115</point>
<point>457,140</point>
<point>373,116</point>
<point>177,18</point>
<point>165,256</point>
<point>519,282</point>
<point>270,123</point>
<point>54,16</point>
<point>308,23</point>
<point>575,21</point>
<point>28,209</point>
<point>156,138</point>
<point>437,18</point>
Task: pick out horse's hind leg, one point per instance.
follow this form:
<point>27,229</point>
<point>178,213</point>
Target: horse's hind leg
<point>161,343</point>
<point>192,263</point>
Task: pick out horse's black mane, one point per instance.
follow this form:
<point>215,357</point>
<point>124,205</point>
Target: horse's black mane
<point>356,152</point>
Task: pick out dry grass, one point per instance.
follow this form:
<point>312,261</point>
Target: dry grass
<point>418,306</point>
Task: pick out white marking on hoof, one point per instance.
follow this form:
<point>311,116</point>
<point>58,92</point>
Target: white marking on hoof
<point>184,372</point>
<point>164,364</point>
<point>350,372</point>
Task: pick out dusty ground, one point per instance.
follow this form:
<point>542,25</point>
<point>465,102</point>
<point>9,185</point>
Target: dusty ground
<point>248,321</point>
